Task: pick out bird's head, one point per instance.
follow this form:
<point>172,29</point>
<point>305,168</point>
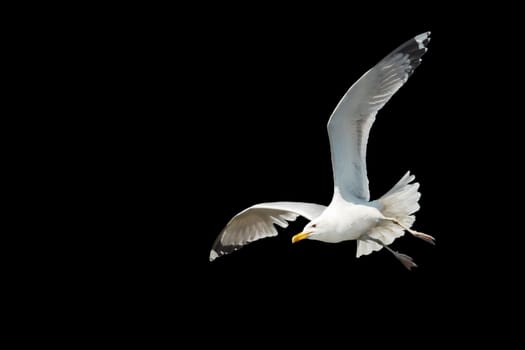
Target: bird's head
<point>311,231</point>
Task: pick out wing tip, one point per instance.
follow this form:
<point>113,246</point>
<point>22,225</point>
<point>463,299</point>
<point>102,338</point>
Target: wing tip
<point>213,255</point>
<point>422,40</point>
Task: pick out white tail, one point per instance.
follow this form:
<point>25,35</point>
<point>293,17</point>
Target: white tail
<point>398,203</point>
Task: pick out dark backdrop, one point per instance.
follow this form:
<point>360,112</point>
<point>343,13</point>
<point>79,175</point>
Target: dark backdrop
<point>226,113</point>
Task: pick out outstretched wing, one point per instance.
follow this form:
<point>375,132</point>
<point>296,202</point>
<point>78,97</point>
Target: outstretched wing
<point>350,123</point>
<point>257,221</point>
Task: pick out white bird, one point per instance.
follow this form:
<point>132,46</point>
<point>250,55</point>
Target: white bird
<point>350,215</point>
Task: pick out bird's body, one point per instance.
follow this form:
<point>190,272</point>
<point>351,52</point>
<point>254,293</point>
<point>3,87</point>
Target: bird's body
<point>346,220</point>
<point>351,215</point>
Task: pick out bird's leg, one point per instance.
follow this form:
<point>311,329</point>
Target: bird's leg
<point>407,261</point>
<point>420,235</point>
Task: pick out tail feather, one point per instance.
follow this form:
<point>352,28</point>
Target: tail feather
<point>399,203</point>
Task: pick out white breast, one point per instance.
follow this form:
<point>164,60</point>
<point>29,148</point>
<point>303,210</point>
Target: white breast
<point>347,221</point>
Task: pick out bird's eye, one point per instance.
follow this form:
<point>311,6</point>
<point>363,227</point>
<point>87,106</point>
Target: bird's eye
<point>314,225</point>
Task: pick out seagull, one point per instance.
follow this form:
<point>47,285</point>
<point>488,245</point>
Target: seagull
<point>351,215</point>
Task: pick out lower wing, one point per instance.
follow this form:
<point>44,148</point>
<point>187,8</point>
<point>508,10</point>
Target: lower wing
<point>258,221</point>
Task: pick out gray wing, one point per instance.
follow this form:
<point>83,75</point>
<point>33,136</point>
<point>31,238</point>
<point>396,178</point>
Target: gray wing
<point>350,123</point>
<point>258,221</point>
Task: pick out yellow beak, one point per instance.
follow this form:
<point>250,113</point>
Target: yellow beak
<point>300,236</point>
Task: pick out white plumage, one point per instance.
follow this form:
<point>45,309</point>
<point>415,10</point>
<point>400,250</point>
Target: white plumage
<point>350,215</point>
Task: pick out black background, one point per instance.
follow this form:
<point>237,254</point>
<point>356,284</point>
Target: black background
<point>214,115</point>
